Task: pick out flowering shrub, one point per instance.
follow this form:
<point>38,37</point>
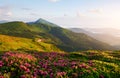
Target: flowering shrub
<point>47,65</point>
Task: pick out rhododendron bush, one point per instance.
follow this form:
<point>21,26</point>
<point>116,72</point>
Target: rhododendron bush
<point>48,65</point>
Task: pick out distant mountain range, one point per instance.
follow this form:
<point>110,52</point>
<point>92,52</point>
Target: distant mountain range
<point>107,35</point>
<point>45,36</point>
<point>3,21</point>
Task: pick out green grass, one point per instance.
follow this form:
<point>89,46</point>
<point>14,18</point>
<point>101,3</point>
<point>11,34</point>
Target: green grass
<point>8,43</point>
<point>106,62</point>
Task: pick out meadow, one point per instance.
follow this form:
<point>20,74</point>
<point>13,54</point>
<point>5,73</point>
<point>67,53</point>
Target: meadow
<point>84,64</point>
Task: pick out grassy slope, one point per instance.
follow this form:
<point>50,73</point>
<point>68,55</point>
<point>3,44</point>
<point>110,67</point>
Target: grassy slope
<point>68,40</point>
<point>18,29</point>
<point>106,62</point>
<point>78,41</point>
<point>18,43</point>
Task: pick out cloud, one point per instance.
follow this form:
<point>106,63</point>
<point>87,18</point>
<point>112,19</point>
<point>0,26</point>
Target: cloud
<point>27,9</point>
<point>33,14</point>
<point>5,11</point>
<point>80,14</point>
<point>97,11</point>
<point>9,13</point>
<point>53,0</point>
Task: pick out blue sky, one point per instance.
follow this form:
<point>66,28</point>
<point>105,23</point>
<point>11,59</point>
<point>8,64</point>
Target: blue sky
<point>66,13</point>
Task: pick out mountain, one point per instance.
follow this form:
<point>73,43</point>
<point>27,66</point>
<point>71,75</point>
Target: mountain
<point>18,29</point>
<point>3,21</point>
<point>107,35</point>
<point>42,34</point>
<point>79,30</point>
<point>42,21</point>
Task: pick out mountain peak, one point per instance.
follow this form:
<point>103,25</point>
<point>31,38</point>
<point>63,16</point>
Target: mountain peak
<point>43,21</point>
<point>40,20</point>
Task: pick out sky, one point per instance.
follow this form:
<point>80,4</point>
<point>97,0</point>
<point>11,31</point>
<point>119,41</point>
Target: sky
<point>66,13</point>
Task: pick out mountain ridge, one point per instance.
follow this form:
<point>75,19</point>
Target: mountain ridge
<point>107,35</point>
<point>62,38</point>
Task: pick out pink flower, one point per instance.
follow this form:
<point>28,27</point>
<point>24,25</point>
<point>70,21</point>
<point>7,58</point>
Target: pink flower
<point>22,67</point>
<point>23,76</point>
<point>27,65</point>
<point>27,70</point>
<point>51,75</point>
<point>90,61</point>
<point>20,55</point>
<point>1,76</point>
<point>44,73</point>
<point>81,73</point>
<point>83,65</point>
<point>94,69</point>
<point>1,63</point>
<point>73,63</point>
<point>11,62</point>
<point>88,71</point>
<point>61,74</point>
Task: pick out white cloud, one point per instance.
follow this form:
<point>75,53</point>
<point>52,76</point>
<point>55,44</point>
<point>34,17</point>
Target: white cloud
<point>80,14</point>
<point>53,0</point>
<point>5,11</point>
<point>33,14</point>
<point>97,11</point>
<point>27,9</point>
<point>9,13</point>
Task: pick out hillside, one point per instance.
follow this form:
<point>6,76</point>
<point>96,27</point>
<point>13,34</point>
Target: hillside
<point>18,29</point>
<point>50,33</point>
<point>107,35</point>
<point>8,43</point>
<point>70,40</point>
